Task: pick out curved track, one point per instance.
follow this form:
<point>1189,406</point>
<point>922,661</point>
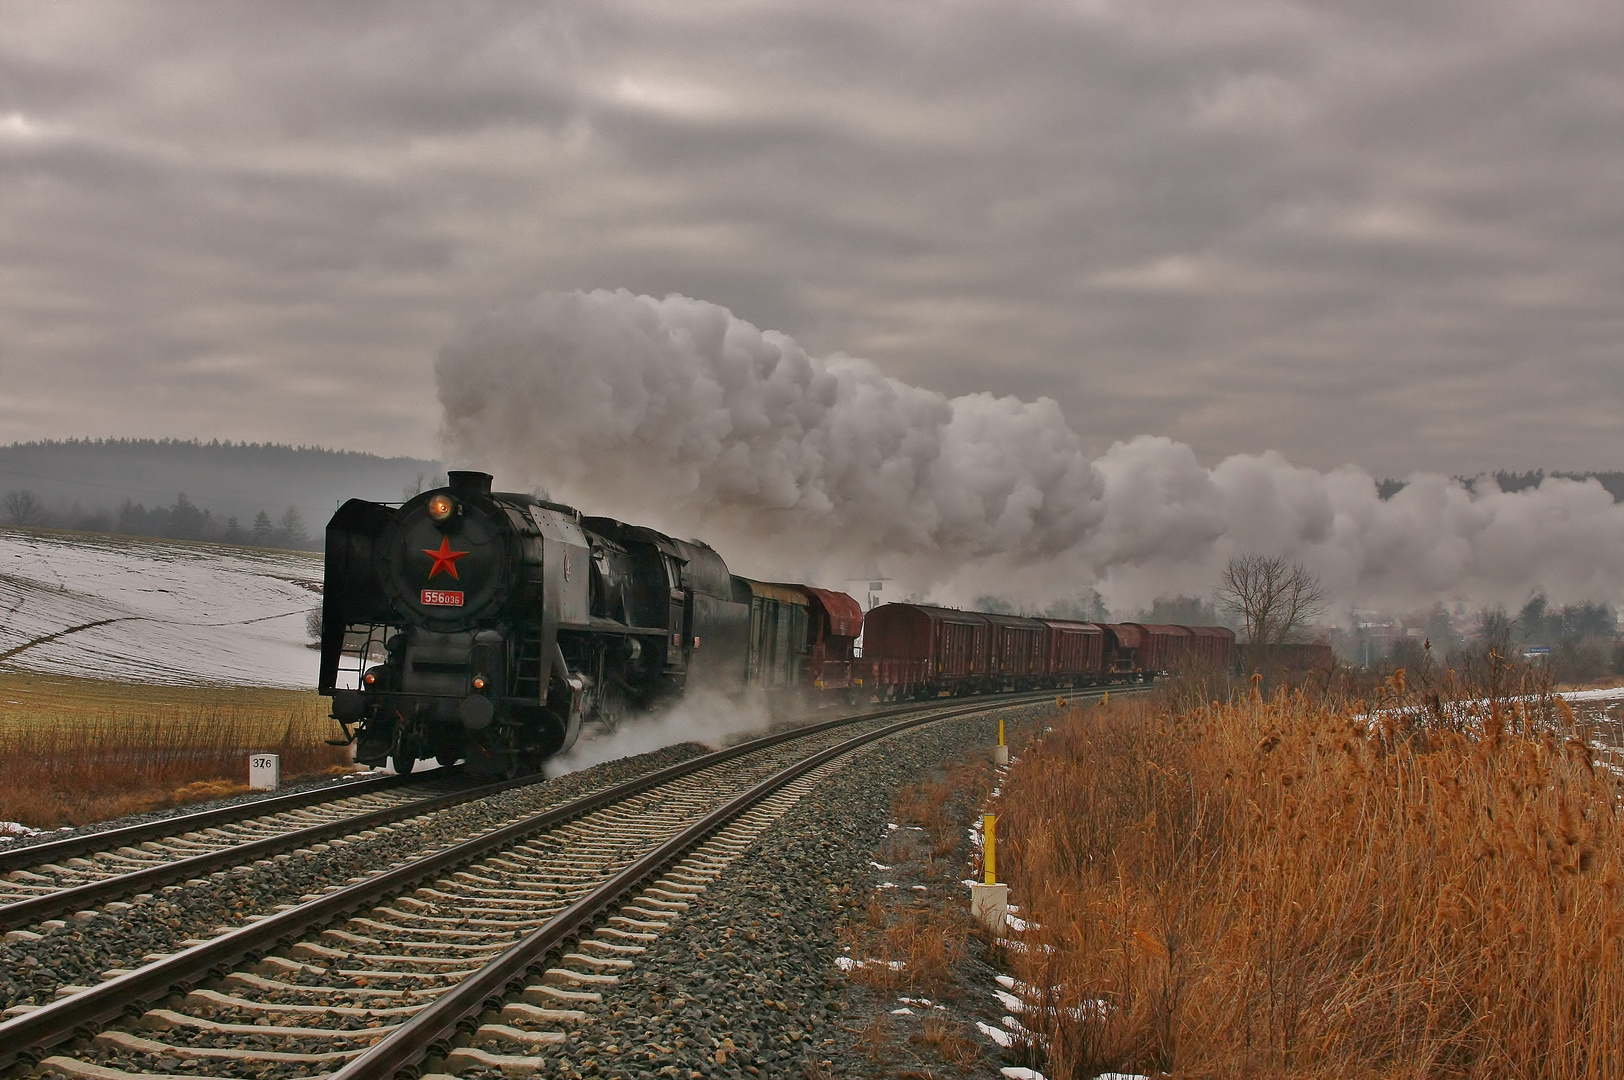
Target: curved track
<point>370,979</point>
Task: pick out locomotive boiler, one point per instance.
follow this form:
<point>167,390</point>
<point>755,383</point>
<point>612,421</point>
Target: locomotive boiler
<point>490,626</point>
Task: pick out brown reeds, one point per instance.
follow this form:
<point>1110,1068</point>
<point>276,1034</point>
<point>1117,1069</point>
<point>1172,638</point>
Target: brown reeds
<point>1293,888</point>
<point>79,750</point>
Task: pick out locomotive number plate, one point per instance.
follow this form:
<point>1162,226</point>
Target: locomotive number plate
<point>441,598</point>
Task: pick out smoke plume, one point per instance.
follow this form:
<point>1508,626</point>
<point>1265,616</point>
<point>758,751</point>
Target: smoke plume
<point>674,412</point>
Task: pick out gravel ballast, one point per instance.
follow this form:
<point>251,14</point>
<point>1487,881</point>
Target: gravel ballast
<point>746,983</point>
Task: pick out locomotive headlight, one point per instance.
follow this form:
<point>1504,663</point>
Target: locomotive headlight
<point>441,507</point>
<point>479,682</point>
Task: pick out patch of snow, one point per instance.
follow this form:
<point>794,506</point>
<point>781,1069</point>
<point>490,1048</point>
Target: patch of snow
<point>1009,1001</point>
<point>904,1011</point>
<point>846,963</point>
<point>998,1035</point>
<point>923,1003</point>
<point>1014,945</point>
<point>1016,923</point>
<point>10,829</point>
<point>1611,693</point>
<point>886,885</point>
<point>920,888</point>
<point>878,866</point>
<point>158,612</point>
<point>1020,1072</point>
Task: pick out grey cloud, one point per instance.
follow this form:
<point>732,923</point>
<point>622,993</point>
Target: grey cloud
<point>1379,233</point>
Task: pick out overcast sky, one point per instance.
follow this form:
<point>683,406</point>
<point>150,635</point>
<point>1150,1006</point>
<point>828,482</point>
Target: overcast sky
<point>1389,233</point>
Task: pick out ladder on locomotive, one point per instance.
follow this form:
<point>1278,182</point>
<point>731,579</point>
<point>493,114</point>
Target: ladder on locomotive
<point>528,671</point>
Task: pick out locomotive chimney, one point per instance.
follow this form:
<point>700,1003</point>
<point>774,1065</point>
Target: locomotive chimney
<point>466,482</point>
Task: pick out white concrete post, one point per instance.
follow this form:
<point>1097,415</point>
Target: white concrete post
<point>264,772</point>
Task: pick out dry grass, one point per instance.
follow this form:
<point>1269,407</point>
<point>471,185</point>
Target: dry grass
<point>949,1040</point>
<point>1280,888</point>
<point>81,750</point>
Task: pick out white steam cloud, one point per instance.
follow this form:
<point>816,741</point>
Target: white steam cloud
<point>676,413</point>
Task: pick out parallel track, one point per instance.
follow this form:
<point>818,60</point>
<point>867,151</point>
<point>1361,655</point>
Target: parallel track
<point>45,881</point>
<point>490,919</point>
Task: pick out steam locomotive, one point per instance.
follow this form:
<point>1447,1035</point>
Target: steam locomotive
<point>469,624</point>
<point>490,626</point>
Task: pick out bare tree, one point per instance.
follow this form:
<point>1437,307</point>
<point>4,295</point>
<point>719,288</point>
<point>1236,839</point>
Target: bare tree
<point>1273,598</point>
<point>24,508</point>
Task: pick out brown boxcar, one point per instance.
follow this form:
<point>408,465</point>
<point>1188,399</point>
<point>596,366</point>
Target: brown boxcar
<point>1073,653</point>
<point>1212,647</point>
<point>912,649</point>
<point>1163,647</point>
<point>1014,651</point>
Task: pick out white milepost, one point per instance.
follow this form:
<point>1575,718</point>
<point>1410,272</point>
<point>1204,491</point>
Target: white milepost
<point>264,771</point>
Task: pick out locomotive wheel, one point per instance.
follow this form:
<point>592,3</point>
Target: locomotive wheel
<point>403,750</point>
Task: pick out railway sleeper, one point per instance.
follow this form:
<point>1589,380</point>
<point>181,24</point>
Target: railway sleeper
<point>213,999</point>
<point>452,920</point>
<point>545,995</point>
<point>521,1036</point>
<point>249,981</point>
<point>468,1057</point>
<point>166,1019</point>
<point>431,931</point>
<point>311,951</point>
<point>134,1044</point>
<point>279,965</point>
<point>610,963</point>
<point>536,1014</point>
<point>500,942</point>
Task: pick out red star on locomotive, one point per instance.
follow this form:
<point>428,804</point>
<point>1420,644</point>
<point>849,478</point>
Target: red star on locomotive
<point>444,558</point>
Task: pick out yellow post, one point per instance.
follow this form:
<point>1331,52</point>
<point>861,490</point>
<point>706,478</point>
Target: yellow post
<point>1000,731</point>
<point>989,847</point>
<point>1106,700</point>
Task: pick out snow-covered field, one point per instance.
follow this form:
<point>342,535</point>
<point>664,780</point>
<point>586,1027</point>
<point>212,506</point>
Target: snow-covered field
<point>156,611</point>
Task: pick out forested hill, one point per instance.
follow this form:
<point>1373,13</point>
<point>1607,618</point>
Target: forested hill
<point>193,490</point>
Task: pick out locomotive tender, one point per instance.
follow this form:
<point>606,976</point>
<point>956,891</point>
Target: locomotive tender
<point>490,626</point>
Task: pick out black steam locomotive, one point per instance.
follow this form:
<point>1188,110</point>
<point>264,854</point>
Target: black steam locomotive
<point>489,626</point>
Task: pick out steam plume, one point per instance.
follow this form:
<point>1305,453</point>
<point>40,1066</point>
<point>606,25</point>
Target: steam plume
<point>674,412</point>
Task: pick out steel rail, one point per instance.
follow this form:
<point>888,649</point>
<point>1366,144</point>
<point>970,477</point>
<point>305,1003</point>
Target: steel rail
<point>30,1035</point>
<point>70,847</point>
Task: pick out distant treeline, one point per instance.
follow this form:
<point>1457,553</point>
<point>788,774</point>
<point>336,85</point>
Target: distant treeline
<point>265,494</point>
<point>181,520</point>
<point>1515,481</point>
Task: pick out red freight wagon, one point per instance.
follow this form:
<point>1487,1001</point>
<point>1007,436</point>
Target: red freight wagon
<point>916,649</point>
<point>1163,647</point>
<point>1074,653</point>
<point>1014,650</point>
<point>836,620</point>
<point>1212,647</point>
<point>1122,644</point>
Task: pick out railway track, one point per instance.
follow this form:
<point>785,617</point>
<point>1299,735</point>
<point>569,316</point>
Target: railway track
<point>505,936</point>
<point>46,882</point>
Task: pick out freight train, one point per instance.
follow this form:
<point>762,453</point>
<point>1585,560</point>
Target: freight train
<point>471,624</point>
